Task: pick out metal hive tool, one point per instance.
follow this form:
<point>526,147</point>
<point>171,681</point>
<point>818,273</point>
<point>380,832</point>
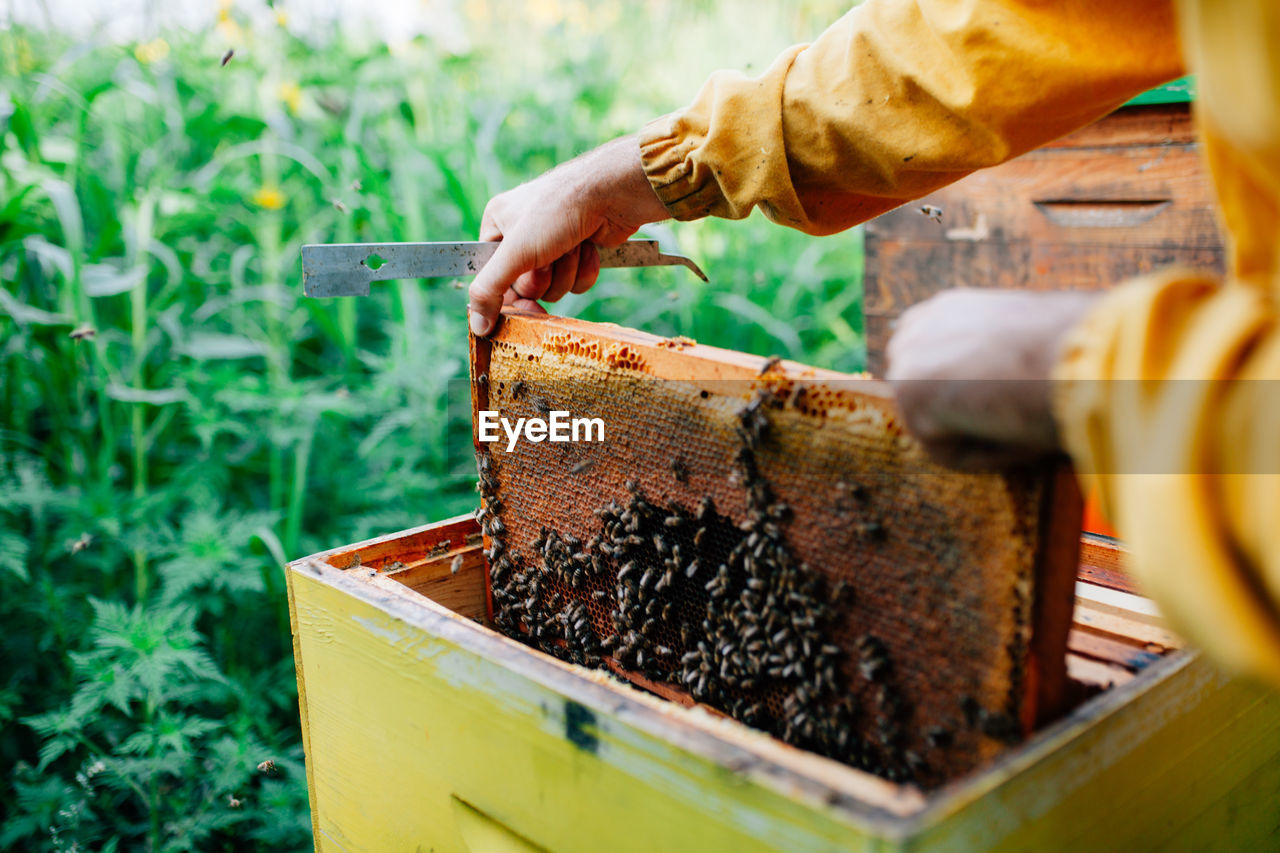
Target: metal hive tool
<point>764,539</point>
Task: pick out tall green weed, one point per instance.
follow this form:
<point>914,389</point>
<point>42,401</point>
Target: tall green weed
<point>176,422</point>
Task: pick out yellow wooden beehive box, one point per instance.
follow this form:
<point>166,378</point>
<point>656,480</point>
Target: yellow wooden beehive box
<point>426,730</point>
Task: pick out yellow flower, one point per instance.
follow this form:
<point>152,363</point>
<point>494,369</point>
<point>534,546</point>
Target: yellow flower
<point>291,95</point>
<point>226,26</point>
<point>269,197</point>
<point>282,18</point>
<point>152,51</point>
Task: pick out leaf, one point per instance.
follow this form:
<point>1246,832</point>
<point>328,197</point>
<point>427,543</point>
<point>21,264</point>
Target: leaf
<point>106,280</point>
<point>67,206</point>
<point>26,314</point>
<point>211,346</point>
<point>272,543</point>
<point>153,396</point>
<point>56,256</point>
<point>14,551</point>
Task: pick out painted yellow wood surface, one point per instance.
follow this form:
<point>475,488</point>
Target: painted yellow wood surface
<point>1182,759</point>
<point>426,731</point>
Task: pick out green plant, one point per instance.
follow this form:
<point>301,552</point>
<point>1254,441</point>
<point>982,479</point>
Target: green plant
<point>176,422</point>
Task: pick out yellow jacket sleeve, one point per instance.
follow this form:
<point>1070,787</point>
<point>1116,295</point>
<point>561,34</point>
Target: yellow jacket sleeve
<point>898,98</point>
<point>1169,392</point>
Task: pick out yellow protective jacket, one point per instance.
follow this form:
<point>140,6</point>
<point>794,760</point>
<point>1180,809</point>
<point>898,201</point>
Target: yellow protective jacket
<point>900,97</point>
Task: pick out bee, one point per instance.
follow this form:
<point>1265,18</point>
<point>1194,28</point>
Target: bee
<point>673,521</point>
<point>226,57</point>
<point>770,363</point>
<point>679,470</point>
<point>482,379</point>
<point>82,333</point>
<point>872,530</point>
<point>579,467</point>
<point>517,389</point>
<point>267,766</point>
<point>85,540</point>
<point>541,404</point>
<point>937,737</point>
<point>796,395</point>
<point>456,565</point>
<point>932,211</point>
<point>232,802</point>
<point>705,507</point>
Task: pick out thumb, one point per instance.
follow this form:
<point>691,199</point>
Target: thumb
<point>492,282</point>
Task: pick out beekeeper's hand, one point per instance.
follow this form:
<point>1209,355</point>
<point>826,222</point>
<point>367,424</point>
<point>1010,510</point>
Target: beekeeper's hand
<point>971,370</point>
<point>551,226</point>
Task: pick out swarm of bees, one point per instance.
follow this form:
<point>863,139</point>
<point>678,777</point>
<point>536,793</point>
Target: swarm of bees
<point>721,609</point>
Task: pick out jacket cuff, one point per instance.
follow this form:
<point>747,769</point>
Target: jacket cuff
<point>667,146</point>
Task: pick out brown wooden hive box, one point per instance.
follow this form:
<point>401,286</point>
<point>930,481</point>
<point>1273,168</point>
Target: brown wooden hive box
<point>1126,195</point>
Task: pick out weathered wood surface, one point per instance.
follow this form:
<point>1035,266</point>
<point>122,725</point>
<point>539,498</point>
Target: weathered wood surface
<point>1125,196</point>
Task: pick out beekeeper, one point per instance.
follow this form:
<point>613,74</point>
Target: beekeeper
<point>901,97</point>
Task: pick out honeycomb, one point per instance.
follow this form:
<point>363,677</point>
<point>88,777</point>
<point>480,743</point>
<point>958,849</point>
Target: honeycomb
<point>774,547</point>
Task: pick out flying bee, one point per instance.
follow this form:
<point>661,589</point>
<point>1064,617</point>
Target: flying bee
<point>82,333</point>
<point>226,57</point>
<point>932,211</point>
<point>456,565</point>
